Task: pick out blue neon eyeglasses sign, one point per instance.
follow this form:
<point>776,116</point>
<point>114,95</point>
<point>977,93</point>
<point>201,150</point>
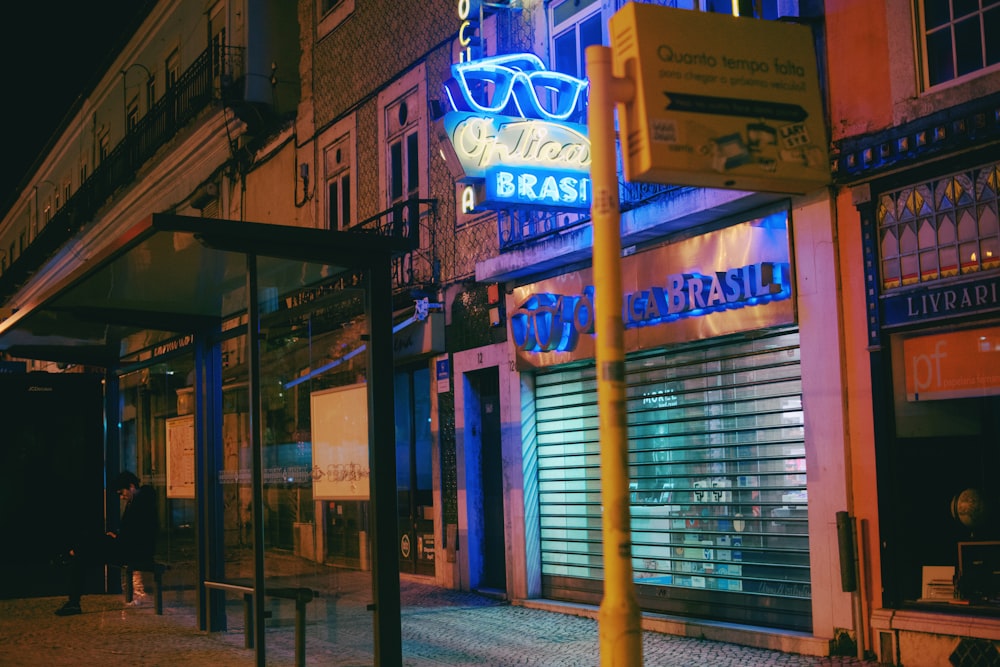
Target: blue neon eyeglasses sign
<point>508,130</point>
<point>520,85</point>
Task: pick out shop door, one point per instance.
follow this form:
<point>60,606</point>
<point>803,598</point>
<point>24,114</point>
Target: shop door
<point>494,575</point>
<point>414,490</point>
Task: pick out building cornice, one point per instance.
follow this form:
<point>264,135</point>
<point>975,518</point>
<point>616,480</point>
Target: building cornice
<point>945,133</point>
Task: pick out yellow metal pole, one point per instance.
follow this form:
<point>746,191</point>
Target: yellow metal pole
<point>618,619</point>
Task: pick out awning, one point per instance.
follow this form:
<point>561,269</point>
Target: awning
<point>178,274</point>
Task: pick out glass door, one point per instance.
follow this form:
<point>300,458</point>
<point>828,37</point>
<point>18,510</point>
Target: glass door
<point>415,500</point>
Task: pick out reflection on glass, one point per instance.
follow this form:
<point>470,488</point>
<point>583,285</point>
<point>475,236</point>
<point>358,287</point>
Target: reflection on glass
<point>153,402</point>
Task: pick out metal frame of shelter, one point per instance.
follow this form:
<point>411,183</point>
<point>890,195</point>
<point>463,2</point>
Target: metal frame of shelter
<point>180,274</point>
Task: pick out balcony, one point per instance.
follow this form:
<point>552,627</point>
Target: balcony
<point>214,76</point>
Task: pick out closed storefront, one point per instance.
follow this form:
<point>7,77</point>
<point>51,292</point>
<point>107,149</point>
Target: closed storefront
<point>716,437</point>
<point>718,478</point>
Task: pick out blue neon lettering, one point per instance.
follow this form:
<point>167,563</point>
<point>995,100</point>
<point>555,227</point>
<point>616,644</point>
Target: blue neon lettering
<point>548,322</point>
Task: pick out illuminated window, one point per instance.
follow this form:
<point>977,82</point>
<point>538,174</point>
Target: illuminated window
<point>958,37</point>
<point>940,228</point>
<point>576,24</point>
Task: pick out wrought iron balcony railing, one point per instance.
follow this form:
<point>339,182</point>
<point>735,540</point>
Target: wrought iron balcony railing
<point>415,220</point>
<point>194,90</point>
<point>517,228</point>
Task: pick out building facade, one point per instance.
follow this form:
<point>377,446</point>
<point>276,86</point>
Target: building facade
<point>470,457</point>
<point>915,143</point>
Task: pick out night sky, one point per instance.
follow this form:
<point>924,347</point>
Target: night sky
<point>52,53</point>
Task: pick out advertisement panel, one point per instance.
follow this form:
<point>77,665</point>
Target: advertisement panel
<point>955,364</point>
<point>180,457</point>
<point>720,101</point>
<point>341,469</point>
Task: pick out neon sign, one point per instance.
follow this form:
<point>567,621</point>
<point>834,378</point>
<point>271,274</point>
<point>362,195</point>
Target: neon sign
<point>481,142</point>
<point>508,132</point>
<point>554,322</point>
<point>468,14</point>
<point>521,87</point>
<point>544,189</point>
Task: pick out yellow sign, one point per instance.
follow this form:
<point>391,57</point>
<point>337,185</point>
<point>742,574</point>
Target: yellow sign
<point>720,101</point>
<point>955,364</point>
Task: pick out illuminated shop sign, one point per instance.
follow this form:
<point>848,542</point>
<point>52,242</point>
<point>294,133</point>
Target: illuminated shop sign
<point>507,131</point>
<point>539,188</point>
<point>520,85</point>
<point>468,14</point>
<point>730,280</point>
<point>547,322</point>
<point>952,364</point>
<point>481,142</point>
<point>934,302</point>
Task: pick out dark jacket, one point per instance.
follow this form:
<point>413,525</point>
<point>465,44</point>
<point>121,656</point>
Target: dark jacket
<point>138,527</point>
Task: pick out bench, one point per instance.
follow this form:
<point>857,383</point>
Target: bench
<point>157,569</point>
<point>301,596</point>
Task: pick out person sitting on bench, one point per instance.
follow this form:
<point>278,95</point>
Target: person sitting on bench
<point>132,545</point>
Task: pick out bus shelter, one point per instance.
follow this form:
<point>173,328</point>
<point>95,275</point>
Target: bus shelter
<point>248,374</point>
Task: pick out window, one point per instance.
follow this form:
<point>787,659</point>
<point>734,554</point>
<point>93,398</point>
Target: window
<point>940,228</point>
<point>330,14</point>
<point>217,29</point>
<point>401,119</point>
<point>403,133</point>
<point>336,173</point>
<point>576,24</point>
<point>958,37</point>
<point>150,91</point>
<point>103,146</point>
<point>172,67</point>
<point>339,202</point>
<point>132,114</point>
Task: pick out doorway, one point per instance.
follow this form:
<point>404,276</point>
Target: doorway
<point>414,470</point>
<point>485,385</point>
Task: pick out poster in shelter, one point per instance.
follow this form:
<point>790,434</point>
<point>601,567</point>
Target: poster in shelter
<point>180,457</point>
<point>341,467</point>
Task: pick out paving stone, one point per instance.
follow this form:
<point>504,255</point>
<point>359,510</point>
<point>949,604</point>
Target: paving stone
<point>440,628</point>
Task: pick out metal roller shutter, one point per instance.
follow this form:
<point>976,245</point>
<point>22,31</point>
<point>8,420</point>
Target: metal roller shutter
<point>718,479</point>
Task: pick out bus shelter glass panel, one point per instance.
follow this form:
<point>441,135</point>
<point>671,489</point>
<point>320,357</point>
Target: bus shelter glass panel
<point>156,442</point>
<point>315,454</point>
